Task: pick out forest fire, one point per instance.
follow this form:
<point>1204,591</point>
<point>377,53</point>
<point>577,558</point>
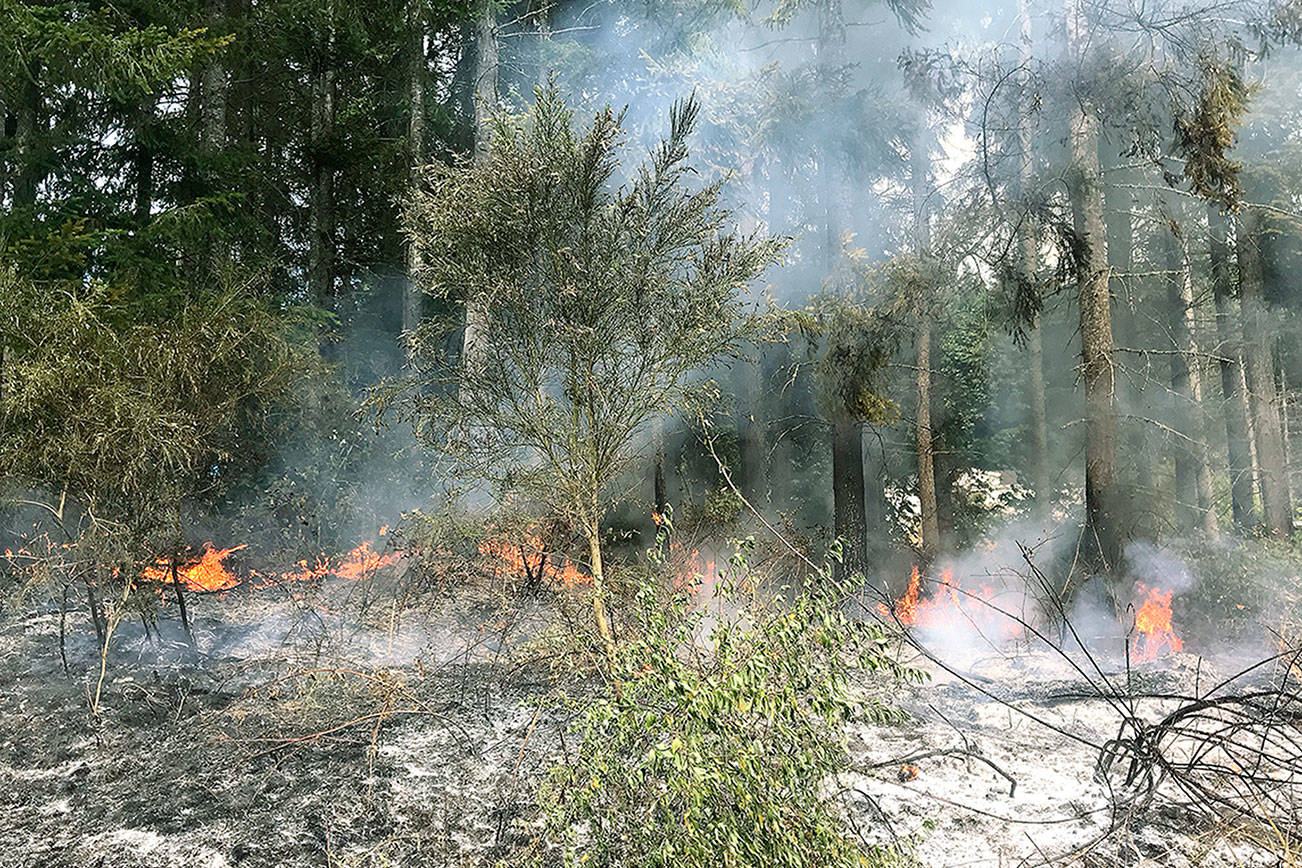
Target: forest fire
<point>1154,633</point>
<point>950,607</point>
<point>359,563</point>
<point>530,559</point>
<point>208,574</point>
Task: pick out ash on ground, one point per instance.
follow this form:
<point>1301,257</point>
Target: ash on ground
<point>418,735</point>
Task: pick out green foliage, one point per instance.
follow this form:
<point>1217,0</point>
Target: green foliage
<point>126,415</point>
<point>590,305</point>
<point>721,739</point>
<point>97,45</point>
<point>1206,132</point>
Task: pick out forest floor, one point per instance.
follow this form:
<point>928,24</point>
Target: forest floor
<point>417,737</point>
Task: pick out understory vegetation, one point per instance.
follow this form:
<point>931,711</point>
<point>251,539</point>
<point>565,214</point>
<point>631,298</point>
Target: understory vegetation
<point>657,433</point>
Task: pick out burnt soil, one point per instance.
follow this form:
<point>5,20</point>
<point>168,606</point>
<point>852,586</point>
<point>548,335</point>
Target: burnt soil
<point>294,738</point>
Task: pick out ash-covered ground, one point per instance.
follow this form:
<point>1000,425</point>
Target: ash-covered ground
<point>294,739</point>
<point>417,735</point>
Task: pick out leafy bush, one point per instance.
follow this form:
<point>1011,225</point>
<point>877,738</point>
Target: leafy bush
<point>722,733</point>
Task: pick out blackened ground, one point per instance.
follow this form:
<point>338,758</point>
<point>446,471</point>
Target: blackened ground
<point>296,739</point>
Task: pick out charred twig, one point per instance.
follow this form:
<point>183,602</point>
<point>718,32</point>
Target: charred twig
<point>966,752</point>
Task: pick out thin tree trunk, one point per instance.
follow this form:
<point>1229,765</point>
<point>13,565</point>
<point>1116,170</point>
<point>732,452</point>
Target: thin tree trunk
<point>848,507</point>
<point>660,491</point>
<point>599,592</point>
<point>96,613</point>
<point>1029,251</point>
<point>485,105</point>
<point>179,587</point>
<point>1235,408</point>
<point>417,75</point>
<point>142,159</point>
<point>1192,471</point>
<point>1135,466</point>
<point>213,84</point>
<point>751,448</point>
<point>1186,493</point>
<point>543,22</point>
<point>929,530</point>
<point>873,461</point>
<point>1104,504</point>
<point>1041,478</point>
<point>1276,504</point>
<point>848,493</point>
<point>28,130</point>
<point>321,215</point>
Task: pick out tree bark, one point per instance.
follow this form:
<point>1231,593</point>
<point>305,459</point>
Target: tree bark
<point>417,75</point>
<point>1041,478</point>
<point>486,75</point>
<point>1104,504</point>
<point>848,507</point>
<point>1235,407</point>
<point>1272,480</point>
<point>213,84</point>
<point>179,587</point>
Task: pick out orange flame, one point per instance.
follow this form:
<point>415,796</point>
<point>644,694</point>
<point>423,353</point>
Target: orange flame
<point>949,606</point>
<point>1154,634</point>
<point>527,557</point>
<point>209,573</point>
<point>359,563</point>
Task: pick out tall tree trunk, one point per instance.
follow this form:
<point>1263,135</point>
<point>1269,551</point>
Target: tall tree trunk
<point>1029,252</point>
<point>142,158</point>
<point>929,526</point>
<point>929,530</point>
<point>417,75</point>
<point>542,14</point>
<point>1104,503</point>
<point>485,105</point>
<point>1192,471</point>
<point>29,129</point>
<point>847,434</point>
<point>875,508</point>
<point>1134,468</point>
<point>751,447</point>
<point>1273,484</point>
<point>659,488</point>
<point>213,83</point>
<point>321,199</point>
<point>1235,406</point>
<point>848,493</point>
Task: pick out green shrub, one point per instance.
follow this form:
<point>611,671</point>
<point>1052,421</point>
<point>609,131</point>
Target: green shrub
<point>720,737</point>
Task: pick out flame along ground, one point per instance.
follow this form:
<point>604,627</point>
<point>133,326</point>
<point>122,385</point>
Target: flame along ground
<point>210,573</point>
<point>527,555</point>
<point>952,608</point>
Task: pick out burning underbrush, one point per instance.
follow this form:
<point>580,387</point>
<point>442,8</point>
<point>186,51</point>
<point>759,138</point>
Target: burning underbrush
<point>409,701</point>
